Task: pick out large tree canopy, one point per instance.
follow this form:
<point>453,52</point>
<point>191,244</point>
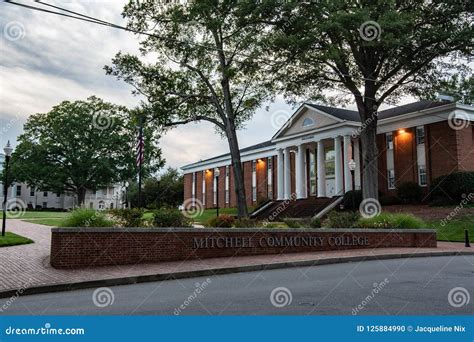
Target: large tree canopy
<point>81,145</point>
<point>205,66</point>
<point>367,52</point>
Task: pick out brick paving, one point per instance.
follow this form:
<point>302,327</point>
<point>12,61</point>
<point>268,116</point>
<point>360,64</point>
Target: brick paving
<point>28,265</point>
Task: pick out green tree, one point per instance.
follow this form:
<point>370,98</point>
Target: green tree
<point>207,67</point>
<point>370,52</point>
<point>164,190</point>
<point>81,145</point>
<point>461,88</point>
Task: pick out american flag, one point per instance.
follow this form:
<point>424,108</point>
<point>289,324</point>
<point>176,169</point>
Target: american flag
<point>140,149</point>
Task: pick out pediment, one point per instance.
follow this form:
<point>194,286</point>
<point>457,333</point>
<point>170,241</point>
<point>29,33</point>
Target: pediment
<point>306,119</point>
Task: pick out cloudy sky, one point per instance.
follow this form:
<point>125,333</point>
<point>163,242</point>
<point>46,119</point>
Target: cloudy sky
<point>45,59</point>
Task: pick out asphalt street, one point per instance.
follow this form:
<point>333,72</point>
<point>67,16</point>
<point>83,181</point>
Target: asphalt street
<point>412,286</point>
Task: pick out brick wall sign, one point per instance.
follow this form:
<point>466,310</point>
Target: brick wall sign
<point>85,247</point>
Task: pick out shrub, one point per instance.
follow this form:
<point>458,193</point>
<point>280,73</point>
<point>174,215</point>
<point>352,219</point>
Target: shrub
<point>245,223</point>
<point>169,217</point>
<point>389,220</point>
<point>409,192</point>
<point>221,221</point>
<point>294,223</point>
<point>87,218</point>
<point>337,219</point>
<point>450,188</point>
<point>128,217</point>
<point>315,223</point>
<point>352,199</point>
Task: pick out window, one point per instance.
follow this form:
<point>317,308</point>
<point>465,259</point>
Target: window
<point>204,188</point>
<point>254,181</point>
<point>91,205</point>
<point>58,194</point>
<point>420,135</point>
<point>422,175</point>
<point>330,162</point>
<point>389,138</point>
<point>308,122</point>
<point>45,194</point>
<point>193,188</point>
<point>18,190</point>
<point>45,205</point>
<point>227,192</point>
<point>270,178</point>
<point>391,179</point>
<point>312,173</point>
<point>32,191</point>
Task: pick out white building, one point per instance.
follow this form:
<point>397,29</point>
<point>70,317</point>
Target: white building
<point>24,196</point>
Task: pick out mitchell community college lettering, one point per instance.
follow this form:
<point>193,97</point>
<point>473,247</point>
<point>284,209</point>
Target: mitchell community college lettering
<point>283,241</point>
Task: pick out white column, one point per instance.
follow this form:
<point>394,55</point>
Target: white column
<point>345,163</point>
<point>321,164</point>
<point>287,170</point>
<point>357,173</point>
<point>338,166</point>
<point>280,175</point>
<point>300,174</point>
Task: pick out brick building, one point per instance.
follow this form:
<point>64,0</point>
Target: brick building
<point>309,155</point>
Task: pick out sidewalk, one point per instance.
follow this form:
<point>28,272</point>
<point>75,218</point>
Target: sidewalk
<point>27,266</point>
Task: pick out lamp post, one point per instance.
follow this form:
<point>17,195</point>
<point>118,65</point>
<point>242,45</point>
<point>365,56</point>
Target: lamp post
<point>8,152</point>
<point>217,173</point>
<point>127,184</point>
<point>352,167</point>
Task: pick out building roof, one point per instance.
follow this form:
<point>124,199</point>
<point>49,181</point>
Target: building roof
<point>242,150</point>
<point>352,115</point>
<point>342,114</point>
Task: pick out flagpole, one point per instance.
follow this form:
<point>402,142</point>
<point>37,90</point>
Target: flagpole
<point>140,141</point>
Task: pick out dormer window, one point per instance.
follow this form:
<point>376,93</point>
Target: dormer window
<point>308,122</point>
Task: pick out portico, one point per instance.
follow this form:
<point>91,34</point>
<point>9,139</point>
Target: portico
<point>321,168</point>
<point>320,147</point>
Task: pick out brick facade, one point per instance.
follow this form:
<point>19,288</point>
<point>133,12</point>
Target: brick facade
<point>446,150</point>
<point>71,247</point>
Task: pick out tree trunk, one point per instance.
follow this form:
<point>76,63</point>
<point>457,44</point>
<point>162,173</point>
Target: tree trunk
<point>242,210</point>
<point>81,196</point>
<point>368,138</point>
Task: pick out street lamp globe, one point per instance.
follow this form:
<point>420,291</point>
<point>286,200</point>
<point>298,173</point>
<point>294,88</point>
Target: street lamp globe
<point>217,172</point>
<point>352,165</point>
<point>8,149</point>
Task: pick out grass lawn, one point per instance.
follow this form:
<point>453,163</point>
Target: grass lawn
<point>210,213</point>
<point>11,239</point>
<point>46,221</point>
<point>38,215</point>
<point>454,229</point>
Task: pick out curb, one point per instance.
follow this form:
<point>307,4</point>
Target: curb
<point>219,271</point>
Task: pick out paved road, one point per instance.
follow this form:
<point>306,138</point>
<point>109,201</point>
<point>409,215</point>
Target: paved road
<point>402,287</point>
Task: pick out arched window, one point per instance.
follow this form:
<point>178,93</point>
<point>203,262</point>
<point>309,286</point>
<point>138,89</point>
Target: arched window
<point>308,122</point>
